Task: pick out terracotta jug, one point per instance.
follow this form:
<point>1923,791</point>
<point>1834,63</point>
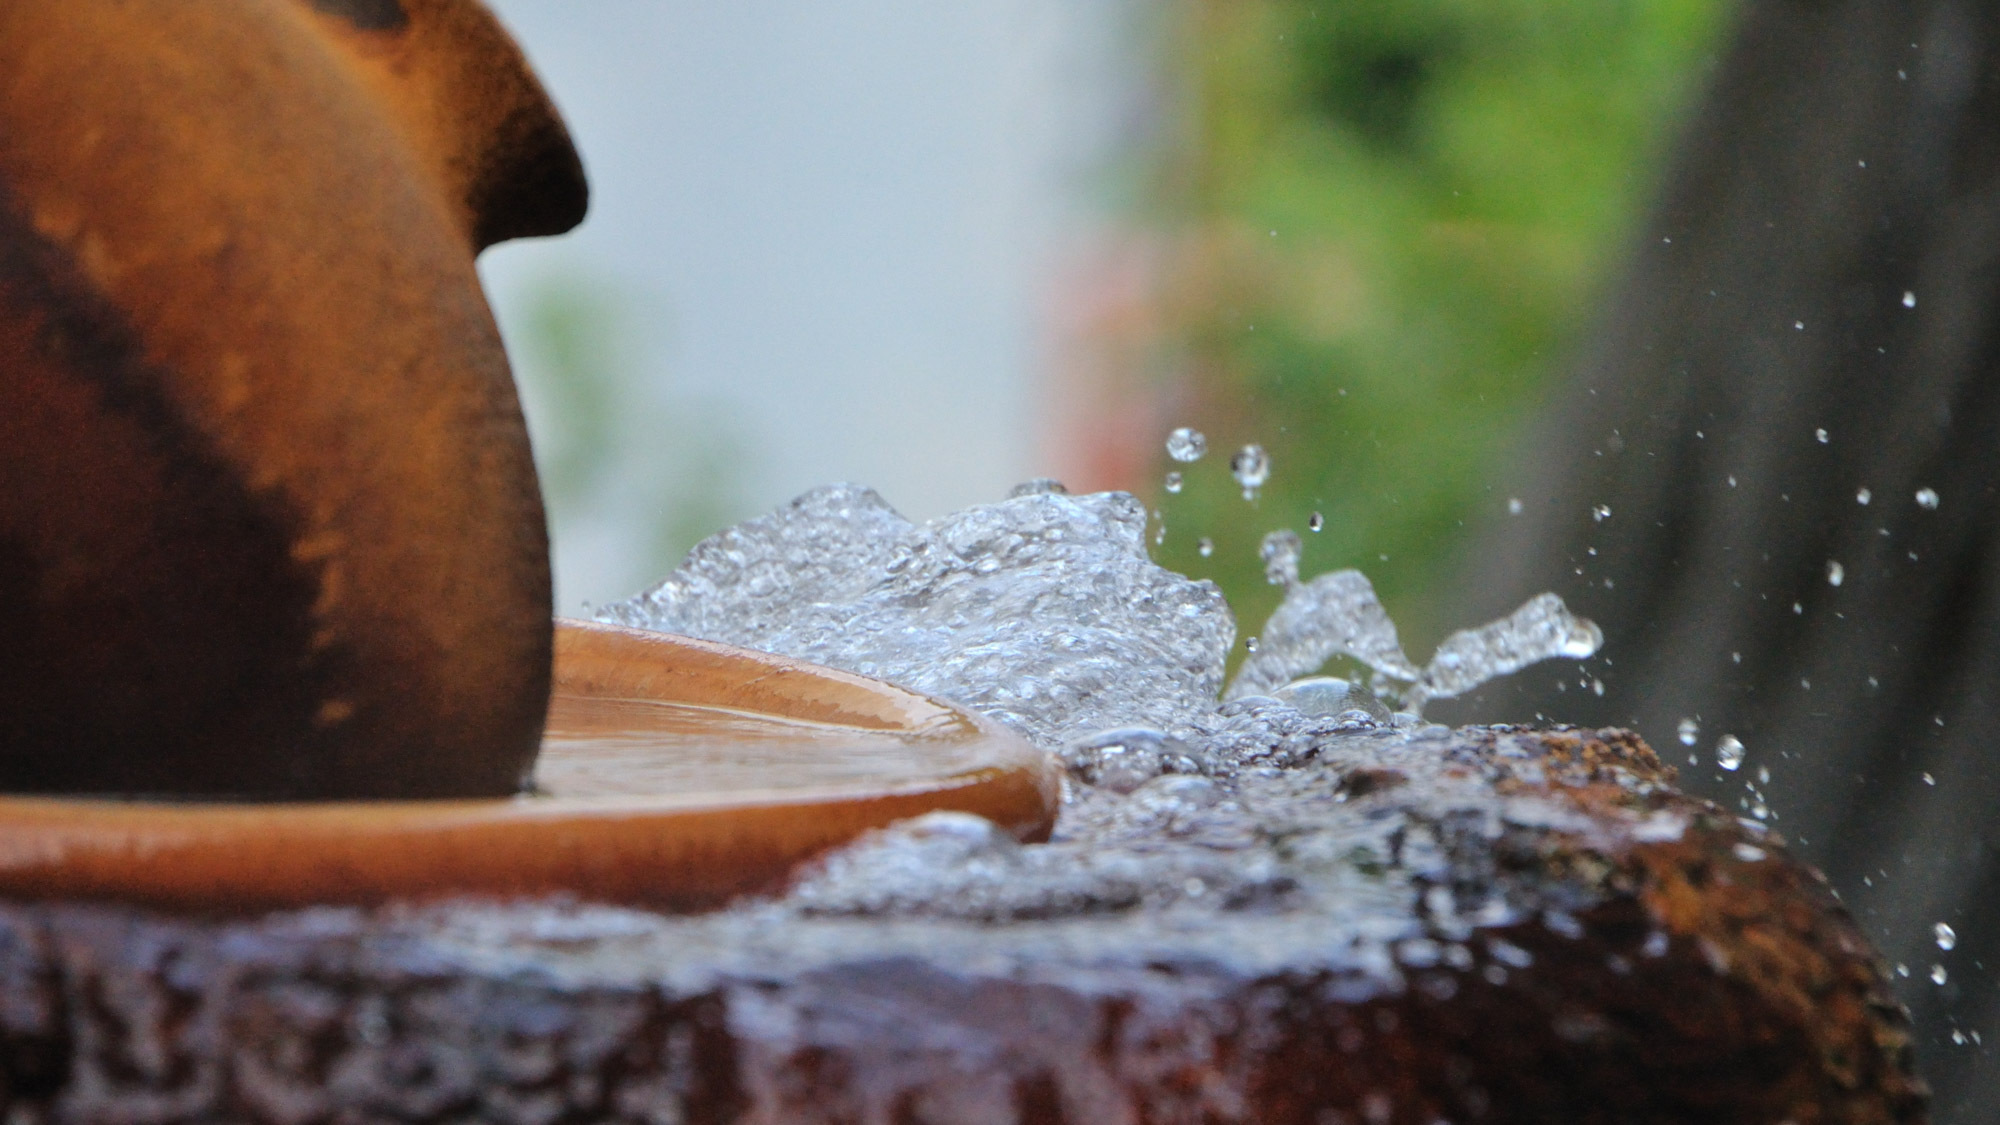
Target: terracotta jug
<point>269,526</point>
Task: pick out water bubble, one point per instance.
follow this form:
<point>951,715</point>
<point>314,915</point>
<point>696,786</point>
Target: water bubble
<point>1729,752</point>
<point>1039,486</point>
<point>1863,496</point>
<point>1513,505</point>
<point>1821,435</point>
<point>1938,975</point>
<point>1601,513</point>
<point>1315,522</point>
<point>1186,444</point>
<point>1119,760</point>
<point>1280,552</point>
<point>1927,499</point>
<point>1835,573</point>
<point>1689,730</point>
<point>1251,467</point>
<point>1909,299</point>
<point>1173,482</point>
<point>1331,695</point>
<point>1947,938</point>
<point>1206,546</point>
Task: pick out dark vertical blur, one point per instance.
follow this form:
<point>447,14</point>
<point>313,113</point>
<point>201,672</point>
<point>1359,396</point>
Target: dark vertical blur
<point>1813,312</point>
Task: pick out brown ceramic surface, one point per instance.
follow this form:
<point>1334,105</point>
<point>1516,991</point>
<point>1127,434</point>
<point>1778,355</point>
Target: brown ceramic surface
<point>678,773</point>
<point>269,525</point>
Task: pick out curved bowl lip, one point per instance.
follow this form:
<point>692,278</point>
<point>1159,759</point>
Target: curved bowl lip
<point>673,851</point>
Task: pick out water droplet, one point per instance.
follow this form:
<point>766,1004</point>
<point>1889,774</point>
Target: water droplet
<point>1909,299</point>
<point>1689,730</point>
<point>1597,687</point>
<point>1315,522</point>
<point>1280,552</point>
<point>1821,434</point>
<point>1927,499</point>
<point>1187,444</point>
<point>1799,324</point>
<point>1835,573</point>
<point>1729,752</point>
<point>1947,938</point>
<point>1938,975</point>
<point>1513,505</point>
<point>1206,546</point>
<point>1732,480</point>
<point>1251,467</point>
<point>1929,780</point>
<point>1863,496</point>
<point>1601,513</point>
<point>1763,775</point>
<point>1798,608</point>
<point>1250,644</point>
<point>1749,853</point>
<point>1173,482</point>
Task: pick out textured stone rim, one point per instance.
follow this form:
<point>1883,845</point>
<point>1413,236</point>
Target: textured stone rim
<point>674,851</point>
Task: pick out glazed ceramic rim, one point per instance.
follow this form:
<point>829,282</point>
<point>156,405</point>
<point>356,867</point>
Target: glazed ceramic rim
<point>669,851</point>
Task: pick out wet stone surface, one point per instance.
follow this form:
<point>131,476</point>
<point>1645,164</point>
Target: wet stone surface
<point>1272,917</point>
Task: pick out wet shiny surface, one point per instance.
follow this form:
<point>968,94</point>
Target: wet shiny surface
<point>606,747</point>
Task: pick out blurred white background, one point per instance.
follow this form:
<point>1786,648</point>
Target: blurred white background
<point>824,243</point>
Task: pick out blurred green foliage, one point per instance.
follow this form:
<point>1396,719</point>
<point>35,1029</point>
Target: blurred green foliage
<point>1391,221</point>
<point>617,446</point>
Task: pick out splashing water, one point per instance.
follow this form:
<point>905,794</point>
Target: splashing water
<point>1044,612</point>
<point>1280,552</point>
<point>1251,467</point>
<point>1187,445</point>
<point>1338,614</point>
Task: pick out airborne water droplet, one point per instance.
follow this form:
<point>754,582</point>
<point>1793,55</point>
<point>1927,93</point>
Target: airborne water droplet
<point>1835,573</point>
<point>1173,482</point>
<point>1938,975</point>
<point>1821,434</point>
<point>1250,644</point>
<point>1947,938</point>
<point>1186,444</point>
<point>1729,752</point>
<point>1601,513</point>
<point>1863,496</point>
<point>1689,730</point>
<point>1909,299</point>
<point>1513,505</point>
<point>1315,522</point>
<point>1280,552</point>
<point>1927,499</point>
<point>1206,546</point>
<point>1251,467</point>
